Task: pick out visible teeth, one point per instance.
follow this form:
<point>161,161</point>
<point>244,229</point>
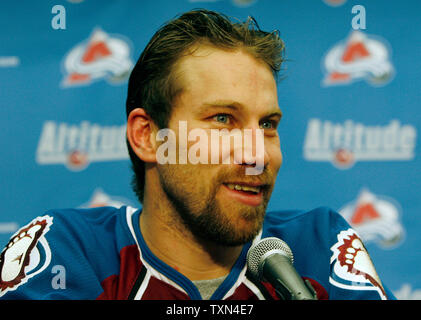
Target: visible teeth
<point>239,187</point>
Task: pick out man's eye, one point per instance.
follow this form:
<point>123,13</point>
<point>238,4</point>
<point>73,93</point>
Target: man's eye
<point>268,124</point>
<point>222,118</point>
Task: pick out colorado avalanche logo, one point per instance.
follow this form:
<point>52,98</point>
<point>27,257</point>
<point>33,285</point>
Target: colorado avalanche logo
<point>26,254</point>
<point>351,266</point>
<point>375,218</point>
<point>102,56</point>
<point>359,57</point>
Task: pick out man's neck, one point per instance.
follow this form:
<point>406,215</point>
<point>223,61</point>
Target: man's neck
<point>170,241</point>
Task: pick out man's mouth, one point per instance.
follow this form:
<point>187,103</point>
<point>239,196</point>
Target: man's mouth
<point>250,194</point>
<point>244,188</point>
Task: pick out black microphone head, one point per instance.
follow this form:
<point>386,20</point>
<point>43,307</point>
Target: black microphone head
<point>262,249</point>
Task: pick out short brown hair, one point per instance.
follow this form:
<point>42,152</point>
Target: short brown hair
<point>151,84</point>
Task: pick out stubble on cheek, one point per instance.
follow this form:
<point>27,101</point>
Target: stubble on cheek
<point>194,194</point>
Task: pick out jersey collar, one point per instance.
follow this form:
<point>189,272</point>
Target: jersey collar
<point>232,281</point>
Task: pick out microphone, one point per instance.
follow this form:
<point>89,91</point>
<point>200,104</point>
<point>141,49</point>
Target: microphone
<point>271,259</point>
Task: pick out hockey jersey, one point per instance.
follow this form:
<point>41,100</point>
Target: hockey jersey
<point>99,253</point>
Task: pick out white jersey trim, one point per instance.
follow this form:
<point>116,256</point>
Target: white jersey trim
<point>150,270</point>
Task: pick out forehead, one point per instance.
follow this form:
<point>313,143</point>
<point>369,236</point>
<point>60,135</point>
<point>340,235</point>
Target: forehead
<point>211,74</point>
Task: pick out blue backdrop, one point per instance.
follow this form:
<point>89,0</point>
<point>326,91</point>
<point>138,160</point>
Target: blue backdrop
<point>350,98</point>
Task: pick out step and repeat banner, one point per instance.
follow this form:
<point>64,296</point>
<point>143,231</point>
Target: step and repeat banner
<point>350,94</point>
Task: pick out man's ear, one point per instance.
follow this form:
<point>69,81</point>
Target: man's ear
<point>141,134</point>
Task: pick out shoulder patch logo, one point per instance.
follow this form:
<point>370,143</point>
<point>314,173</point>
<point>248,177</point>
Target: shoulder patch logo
<point>351,266</point>
<point>26,254</point>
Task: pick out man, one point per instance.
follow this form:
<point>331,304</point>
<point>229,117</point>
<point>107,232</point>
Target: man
<point>199,73</point>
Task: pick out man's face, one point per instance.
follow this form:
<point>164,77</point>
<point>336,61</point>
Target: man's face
<point>223,90</point>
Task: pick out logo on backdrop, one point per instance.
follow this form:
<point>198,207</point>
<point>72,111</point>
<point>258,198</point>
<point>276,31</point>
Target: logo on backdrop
<point>102,56</point>
<point>26,254</point>
<point>101,199</point>
<point>375,218</point>
<point>344,144</point>
<point>359,57</point>
<point>76,146</point>
<point>351,266</point>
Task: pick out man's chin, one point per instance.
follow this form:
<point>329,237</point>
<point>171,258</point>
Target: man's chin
<point>237,232</point>
<point>238,223</point>
<point>218,221</point>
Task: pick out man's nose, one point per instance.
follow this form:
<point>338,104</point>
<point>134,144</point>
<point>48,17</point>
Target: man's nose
<point>253,151</point>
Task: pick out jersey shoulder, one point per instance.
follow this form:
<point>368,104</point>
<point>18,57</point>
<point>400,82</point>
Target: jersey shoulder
<point>305,220</point>
<point>327,250</point>
<point>307,232</point>
<point>83,244</point>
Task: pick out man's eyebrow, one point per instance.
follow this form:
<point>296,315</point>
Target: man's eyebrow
<point>235,106</point>
<point>221,104</point>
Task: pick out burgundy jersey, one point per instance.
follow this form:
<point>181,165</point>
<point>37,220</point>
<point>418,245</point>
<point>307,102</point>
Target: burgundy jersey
<point>100,253</point>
